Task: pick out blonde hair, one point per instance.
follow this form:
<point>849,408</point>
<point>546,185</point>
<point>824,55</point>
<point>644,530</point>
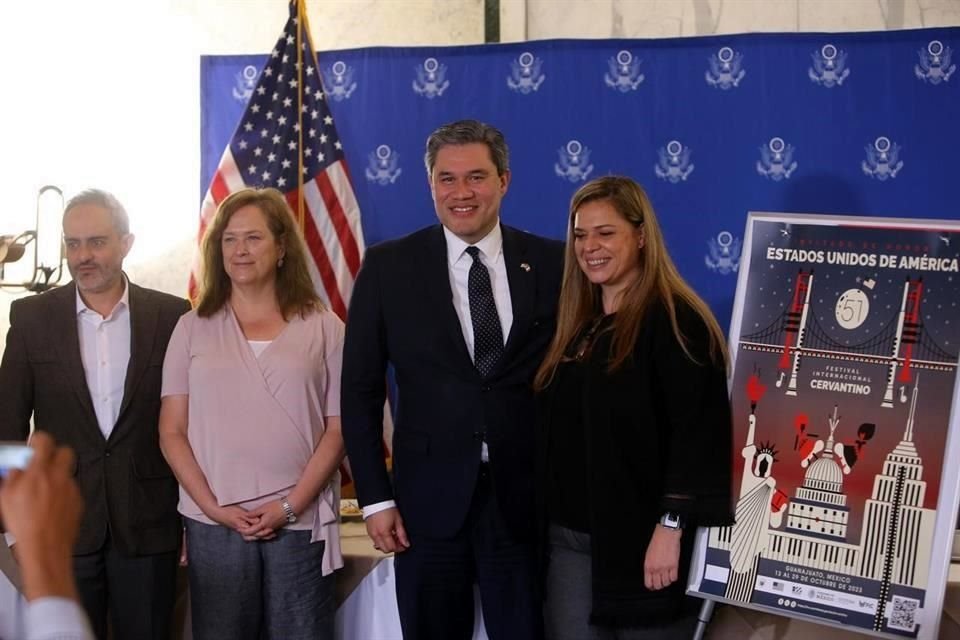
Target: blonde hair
<point>659,281</point>
<point>294,287</point>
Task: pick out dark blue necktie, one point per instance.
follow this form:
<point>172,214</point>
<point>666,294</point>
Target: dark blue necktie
<point>487,332</point>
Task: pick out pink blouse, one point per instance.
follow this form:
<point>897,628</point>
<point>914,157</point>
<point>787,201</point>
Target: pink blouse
<point>254,423</point>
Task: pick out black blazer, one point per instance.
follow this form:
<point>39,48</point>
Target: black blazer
<point>125,482</point>
<point>402,314</point>
<point>658,438</point>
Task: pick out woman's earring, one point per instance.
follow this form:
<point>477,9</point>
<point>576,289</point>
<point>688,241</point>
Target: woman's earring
<point>280,262</point>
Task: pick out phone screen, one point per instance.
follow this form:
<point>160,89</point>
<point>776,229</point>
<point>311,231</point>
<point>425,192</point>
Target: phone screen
<point>14,455</point>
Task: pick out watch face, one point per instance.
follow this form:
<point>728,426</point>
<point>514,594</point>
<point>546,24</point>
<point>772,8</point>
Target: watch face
<point>670,521</point>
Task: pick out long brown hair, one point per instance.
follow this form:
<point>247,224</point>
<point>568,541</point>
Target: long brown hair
<point>294,287</point>
<point>659,280</point>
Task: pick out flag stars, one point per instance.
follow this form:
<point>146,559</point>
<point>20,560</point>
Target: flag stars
<point>314,114</point>
<point>242,144</point>
<point>290,38</point>
<point>320,156</point>
<point>261,90</point>
<point>308,152</point>
<point>296,126</point>
<point>281,182</point>
<point>252,170</point>
<point>282,120</point>
<point>318,95</point>
<point>248,126</point>
<point>268,71</point>
<point>274,53</point>
<point>272,157</point>
<point>309,70</point>
<point>275,96</point>
<point>293,83</point>
<point>312,133</point>
<point>254,108</point>
<point>266,176</point>
<point>276,139</point>
<point>338,146</point>
<point>304,108</point>
<point>285,163</point>
<point>258,152</point>
<point>287,102</point>
<point>328,120</point>
<point>280,78</point>
<point>323,138</point>
<point>285,58</point>
<point>264,133</point>
<point>292,145</point>
<point>269,115</point>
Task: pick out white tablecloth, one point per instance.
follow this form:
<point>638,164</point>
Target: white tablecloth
<point>370,611</point>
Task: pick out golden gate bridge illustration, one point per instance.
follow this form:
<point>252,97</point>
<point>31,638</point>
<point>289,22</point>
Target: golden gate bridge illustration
<point>795,334</point>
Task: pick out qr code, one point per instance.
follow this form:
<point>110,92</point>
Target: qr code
<point>903,613</point>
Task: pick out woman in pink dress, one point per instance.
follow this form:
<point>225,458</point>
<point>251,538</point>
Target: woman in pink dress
<point>250,425</point>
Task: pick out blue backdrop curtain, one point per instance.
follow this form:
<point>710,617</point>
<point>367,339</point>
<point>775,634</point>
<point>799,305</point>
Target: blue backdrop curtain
<point>859,123</point>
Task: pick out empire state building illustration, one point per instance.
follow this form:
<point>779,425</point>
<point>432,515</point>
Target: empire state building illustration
<point>775,534</point>
<point>897,529</point>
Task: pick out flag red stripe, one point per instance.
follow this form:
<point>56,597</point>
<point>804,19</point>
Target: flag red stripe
<point>348,244</point>
<point>218,187</point>
<point>315,245</point>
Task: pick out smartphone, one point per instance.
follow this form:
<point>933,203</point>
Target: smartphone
<point>14,455</point>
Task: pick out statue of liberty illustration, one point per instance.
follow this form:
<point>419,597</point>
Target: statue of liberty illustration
<point>760,505</point>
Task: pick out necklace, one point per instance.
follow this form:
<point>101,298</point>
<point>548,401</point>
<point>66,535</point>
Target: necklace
<point>587,339</point>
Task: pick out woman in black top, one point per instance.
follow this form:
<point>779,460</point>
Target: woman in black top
<point>634,436</point>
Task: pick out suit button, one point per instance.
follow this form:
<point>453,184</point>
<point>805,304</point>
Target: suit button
<point>107,453</point>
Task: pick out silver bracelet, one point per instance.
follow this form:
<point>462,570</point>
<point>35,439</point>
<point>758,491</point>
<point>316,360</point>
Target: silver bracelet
<point>288,510</point>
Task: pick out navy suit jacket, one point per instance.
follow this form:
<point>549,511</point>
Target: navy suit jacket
<point>402,314</point>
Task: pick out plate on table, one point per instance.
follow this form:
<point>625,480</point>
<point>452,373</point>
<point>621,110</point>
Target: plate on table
<point>350,510</point>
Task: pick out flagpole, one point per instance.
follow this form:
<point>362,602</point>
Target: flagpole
<point>301,29</point>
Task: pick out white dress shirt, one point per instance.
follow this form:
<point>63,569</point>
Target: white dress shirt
<point>105,352</point>
<point>458,268</point>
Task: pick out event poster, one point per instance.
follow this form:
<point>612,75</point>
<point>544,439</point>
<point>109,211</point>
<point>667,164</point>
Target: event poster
<point>844,346</point>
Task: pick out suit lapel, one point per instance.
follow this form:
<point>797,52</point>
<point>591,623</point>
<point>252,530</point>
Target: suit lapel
<point>143,329</point>
<point>67,340</point>
<point>437,284</point>
<point>521,275</point>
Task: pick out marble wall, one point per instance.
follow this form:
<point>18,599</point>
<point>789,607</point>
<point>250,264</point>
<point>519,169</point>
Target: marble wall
<point>106,92</point>
<point>672,18</point>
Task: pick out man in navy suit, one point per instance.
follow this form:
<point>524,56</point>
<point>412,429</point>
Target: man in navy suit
<point>463,311</point>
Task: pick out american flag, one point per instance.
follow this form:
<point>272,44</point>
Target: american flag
<point>287,140</point>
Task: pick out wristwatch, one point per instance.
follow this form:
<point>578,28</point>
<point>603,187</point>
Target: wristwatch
<point>671,520</point>
<point>288,510</point>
